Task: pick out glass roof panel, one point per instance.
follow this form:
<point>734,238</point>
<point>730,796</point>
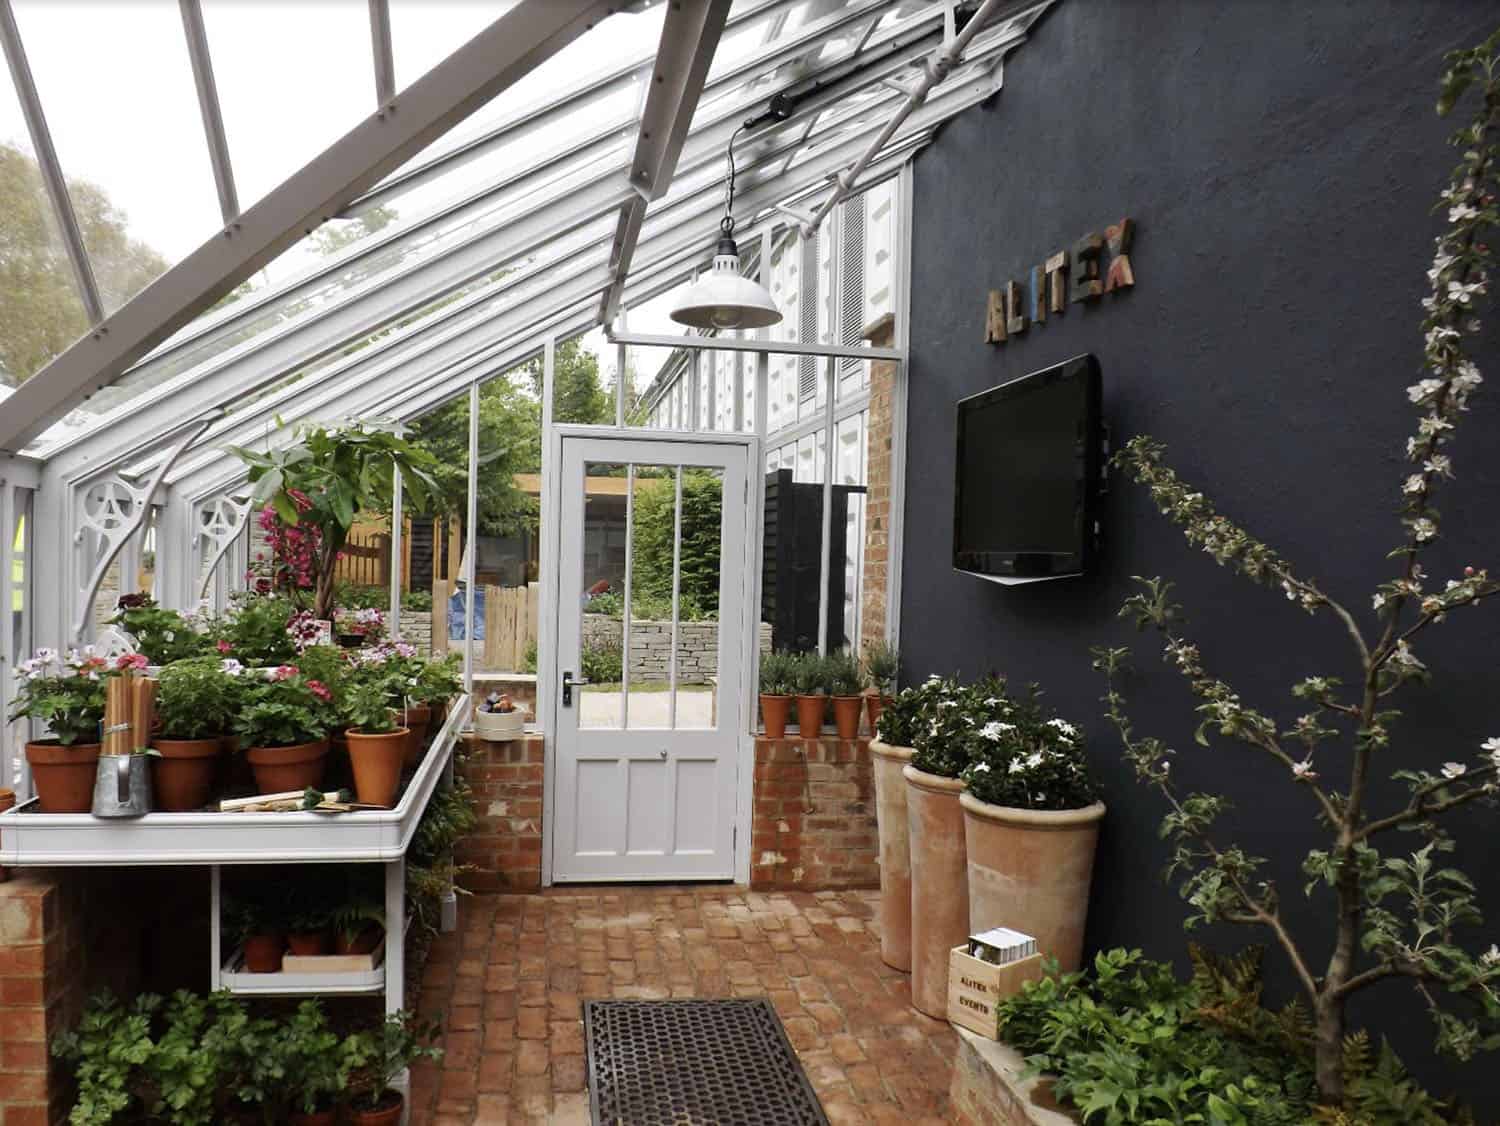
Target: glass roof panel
<point>40,311</point>
<point>292,79</point>
<point>425,32</point>
<point>137,216</point>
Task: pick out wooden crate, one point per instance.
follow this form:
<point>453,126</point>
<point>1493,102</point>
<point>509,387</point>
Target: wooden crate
<point>976,988</point>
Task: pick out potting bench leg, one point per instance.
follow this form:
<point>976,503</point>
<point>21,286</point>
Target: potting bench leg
<point>215,929</point>
<point>395,961</point>
<point>448,909</point>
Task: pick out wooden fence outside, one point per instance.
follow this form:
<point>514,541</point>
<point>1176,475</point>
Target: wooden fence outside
<point>510,623</point>
<point>366,559</point>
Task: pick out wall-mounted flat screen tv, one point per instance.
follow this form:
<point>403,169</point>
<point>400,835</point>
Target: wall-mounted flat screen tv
<point>1028,472</point>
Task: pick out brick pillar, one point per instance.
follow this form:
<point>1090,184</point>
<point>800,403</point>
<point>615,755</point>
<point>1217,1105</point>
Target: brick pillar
<point>875,589</point>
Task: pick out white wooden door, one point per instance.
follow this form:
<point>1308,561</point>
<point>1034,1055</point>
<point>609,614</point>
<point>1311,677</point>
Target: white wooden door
<point>646,753</point>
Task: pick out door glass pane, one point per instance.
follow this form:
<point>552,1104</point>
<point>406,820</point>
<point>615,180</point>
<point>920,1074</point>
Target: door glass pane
<point>700,536</point>
<point>652,550</point>
<point>605,534</point>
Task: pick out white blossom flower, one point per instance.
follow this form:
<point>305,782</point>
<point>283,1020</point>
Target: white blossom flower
<point>1439,264</point>
<point>1402,655</point>
<point>1463,292</point>
<point>1015,767</point>
<point>1441,464</point>
<point>1452,770</point>
<point>1491,956</point>
<point>1303,771</point>
<point>1034,759</point>
<point>1414,484</point>
<point>1423,529</point>
<point>1064,726</point>
<point>991,731</point>
<point>1491,746</point>
<point>1459,212</point>
<point>231,667</point>
<point>1379,600</point>
<point>981,768</point>
<point>1424,389</point>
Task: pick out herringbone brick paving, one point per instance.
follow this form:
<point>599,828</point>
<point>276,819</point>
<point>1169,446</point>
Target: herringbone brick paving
<point>510,983</point>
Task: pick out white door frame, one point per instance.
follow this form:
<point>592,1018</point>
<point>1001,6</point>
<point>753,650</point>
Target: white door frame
<point>549,578</point>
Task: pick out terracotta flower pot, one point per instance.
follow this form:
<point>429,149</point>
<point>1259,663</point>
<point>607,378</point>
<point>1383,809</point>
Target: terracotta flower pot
<point>309,944</point>
<point>63,776</point>
<point>775,710</point>
<point>388,1113</point>
<point>939,884</point>
<point>319,1118</point>
<point>846,713</point>
<point>895,853</point>
<point>874,705</point>
<point>1030,869</point>
<point>377,765</point>
<point>810,711</point>
<point>278,769</point>
<point>263,952</point>
<point>183,776</point>
<point>416,720</point>
<point>362,943</point>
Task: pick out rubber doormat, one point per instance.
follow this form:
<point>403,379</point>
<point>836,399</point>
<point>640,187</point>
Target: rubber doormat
<point>694,1063</point>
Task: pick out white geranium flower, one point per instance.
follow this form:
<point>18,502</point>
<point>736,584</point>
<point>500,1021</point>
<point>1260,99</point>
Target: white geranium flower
<point>991,730</point>
<point>1452,770</point>
<point>1015,767</point>
<point>231,667</point>
<point>1034,759</point>
<point>981,768</point>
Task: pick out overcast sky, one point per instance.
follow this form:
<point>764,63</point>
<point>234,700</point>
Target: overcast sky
<point>293,76</point>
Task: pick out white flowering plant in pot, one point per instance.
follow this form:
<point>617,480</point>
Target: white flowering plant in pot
<point>1030,760</point>
<point>1395,915</point>
<point>946,735</point>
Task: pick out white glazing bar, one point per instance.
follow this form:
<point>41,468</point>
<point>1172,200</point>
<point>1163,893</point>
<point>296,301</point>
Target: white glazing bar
<point>471,555</point>
<point>713,397</point>
<point>676,599</point>
<point>824,562</point>
<point>629,576</point>
<point>8,657</point>
<point>397,517</point>
<point>694,402</point>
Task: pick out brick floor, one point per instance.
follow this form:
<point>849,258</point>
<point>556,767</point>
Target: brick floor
<point>509,986</point>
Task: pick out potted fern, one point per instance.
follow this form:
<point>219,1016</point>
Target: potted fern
<point>776,670</point>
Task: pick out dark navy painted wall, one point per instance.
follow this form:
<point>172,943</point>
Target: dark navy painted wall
<point>1280,161</point>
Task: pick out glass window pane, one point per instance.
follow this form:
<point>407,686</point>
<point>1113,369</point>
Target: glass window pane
<point>700,534</point>
<point>129,138</point>
<point>605,549</point>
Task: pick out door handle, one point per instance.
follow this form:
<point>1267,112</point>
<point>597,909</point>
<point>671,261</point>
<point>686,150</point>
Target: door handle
<point>568,683</point>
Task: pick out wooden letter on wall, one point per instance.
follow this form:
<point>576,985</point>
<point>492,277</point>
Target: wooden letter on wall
<point>994,318</point>
<point>1085,268</point>
<point>1015,309</point>
<point>1057,282</point>
<point>1119,236</point>
<point>1037,291</point>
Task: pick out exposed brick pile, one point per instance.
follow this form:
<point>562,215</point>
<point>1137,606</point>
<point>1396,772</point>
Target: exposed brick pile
<point>505,848</point>
<point>875,587</point>
<point>814,815</point>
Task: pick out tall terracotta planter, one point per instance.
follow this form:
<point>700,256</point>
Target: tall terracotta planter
<point>1030,869</point>
<point>939,884</point>
<point>774,711</point>
<point>278,769</point>
<point>63,776</point>
<point>183,776</point>
<point>846,713</point>
<point>377,765</point>
<point>810,711</point>
<point>895,853</point>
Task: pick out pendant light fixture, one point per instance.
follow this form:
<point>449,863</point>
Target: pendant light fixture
<point>724,298</point>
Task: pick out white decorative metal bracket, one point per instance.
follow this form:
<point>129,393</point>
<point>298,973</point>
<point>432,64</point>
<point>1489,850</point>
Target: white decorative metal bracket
<point>220,521</point>
<point>114,509</point>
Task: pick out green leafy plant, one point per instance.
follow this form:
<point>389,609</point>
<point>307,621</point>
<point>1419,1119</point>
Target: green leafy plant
<point>603,662</point>
<point>776,673</point>
<point>374,1057</point>
<point>899,719</point>
<point>809,675</point>
<point>107,1053</point>
<point>284,710</point>
<point>198,698</point>
<point>66,692</point>
<point>842,675</point>
<point>949,733</point>
<point>328,665</point>
<point>430,869</point>
<point>1026,759</point>
<point>316,1069</point>
<point>438,681</point>
<point>882,666</point>
<point>327,476</point>
<point>366,708</point>
<point>1391,917</point>
<point>162,635</point>
<point>256,629</point>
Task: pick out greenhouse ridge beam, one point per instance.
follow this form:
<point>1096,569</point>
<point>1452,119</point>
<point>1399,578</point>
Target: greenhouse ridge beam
<point>689,36</point>
<point>511,47</point>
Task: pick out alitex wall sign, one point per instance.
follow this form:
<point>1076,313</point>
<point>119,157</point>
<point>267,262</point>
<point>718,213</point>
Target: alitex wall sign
<point>1076,274</point>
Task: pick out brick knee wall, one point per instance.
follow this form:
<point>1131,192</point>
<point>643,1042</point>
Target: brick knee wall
<point>814,815</point>
<point>813,828</point>
<point>505,849</point>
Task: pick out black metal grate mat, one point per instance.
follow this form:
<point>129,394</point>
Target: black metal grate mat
<point>694,1063</point>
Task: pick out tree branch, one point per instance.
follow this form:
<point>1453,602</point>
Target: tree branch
<point>1419,810</point>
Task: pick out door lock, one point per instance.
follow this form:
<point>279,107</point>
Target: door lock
<point>568,684</point>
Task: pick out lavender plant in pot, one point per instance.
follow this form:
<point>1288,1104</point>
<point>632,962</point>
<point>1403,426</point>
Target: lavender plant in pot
<point>845,683</point>
<point>67,694</point>
<point>944,738</point>
<point>377,744</point>
<point>776,670</point>
<point>283,725</point>
<point>882,667</point>
<point>1031,823</point>
<point>812,699</point>
<point>196,702</point>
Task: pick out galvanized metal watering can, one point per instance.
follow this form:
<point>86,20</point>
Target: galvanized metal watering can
<point>122,786</point>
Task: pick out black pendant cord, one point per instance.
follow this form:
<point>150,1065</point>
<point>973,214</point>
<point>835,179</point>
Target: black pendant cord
<point>726,224</point>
